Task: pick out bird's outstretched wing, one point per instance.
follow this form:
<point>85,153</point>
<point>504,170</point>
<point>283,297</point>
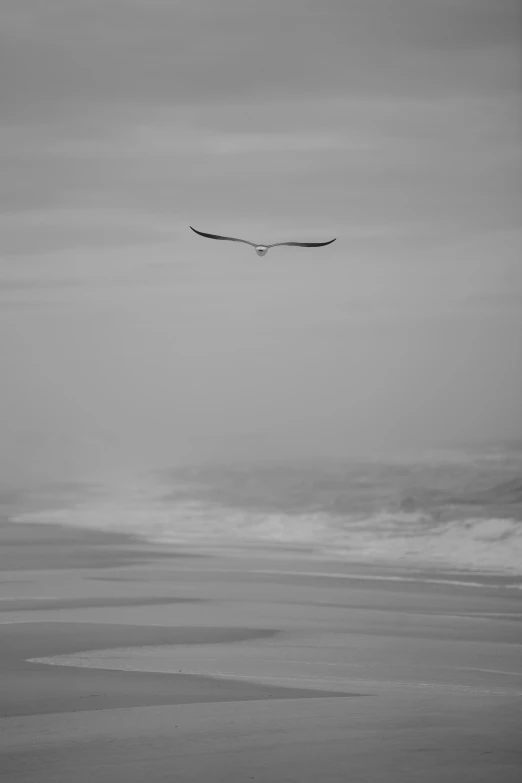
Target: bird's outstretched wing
<point>217,236</point>
<point>303,244</point>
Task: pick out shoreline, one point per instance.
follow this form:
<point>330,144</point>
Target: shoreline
<point>161,663</point>
<point>127,548</point>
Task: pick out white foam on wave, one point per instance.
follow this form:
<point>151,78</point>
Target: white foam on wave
<point>469,543</point>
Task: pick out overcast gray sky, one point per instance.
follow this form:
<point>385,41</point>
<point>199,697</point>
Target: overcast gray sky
<point>392,124</point>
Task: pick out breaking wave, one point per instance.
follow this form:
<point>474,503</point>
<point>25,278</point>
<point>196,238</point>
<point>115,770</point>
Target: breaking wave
<point>473,543</point>
<point>463,514</point>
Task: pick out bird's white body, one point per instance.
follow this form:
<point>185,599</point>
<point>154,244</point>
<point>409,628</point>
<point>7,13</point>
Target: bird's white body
<point>261,250</point>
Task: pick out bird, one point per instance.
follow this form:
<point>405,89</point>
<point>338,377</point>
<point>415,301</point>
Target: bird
<point>262,250</point>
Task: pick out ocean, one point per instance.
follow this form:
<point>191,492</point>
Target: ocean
<point>453,511</point>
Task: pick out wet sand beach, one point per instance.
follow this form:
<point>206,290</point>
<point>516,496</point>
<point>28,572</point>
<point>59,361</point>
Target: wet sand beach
<point>125,661</point>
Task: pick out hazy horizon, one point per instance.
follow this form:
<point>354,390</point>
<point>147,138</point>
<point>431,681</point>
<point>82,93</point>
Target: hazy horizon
<point>128,342</point>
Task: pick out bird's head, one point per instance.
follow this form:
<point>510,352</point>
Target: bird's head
<point>261,250</point>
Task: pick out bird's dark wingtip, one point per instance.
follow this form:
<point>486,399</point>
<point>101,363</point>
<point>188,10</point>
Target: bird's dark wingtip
<point>327,243</point>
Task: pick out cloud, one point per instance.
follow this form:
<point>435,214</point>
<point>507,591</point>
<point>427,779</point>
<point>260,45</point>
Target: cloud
<point>399,111</point>
<point>67,56</point>
<point>43,230</point>
<point>504,300</point>
<point>372,161</point>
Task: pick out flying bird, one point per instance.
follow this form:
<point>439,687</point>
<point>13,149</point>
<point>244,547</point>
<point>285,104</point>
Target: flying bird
<point>262,250</point>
